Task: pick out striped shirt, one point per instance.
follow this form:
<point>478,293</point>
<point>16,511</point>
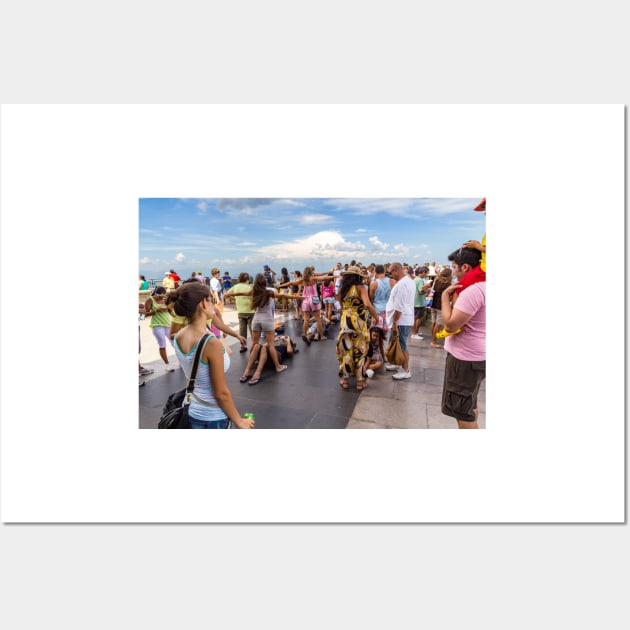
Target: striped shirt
<point>209,409</point>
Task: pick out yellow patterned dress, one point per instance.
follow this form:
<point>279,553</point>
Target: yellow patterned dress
<point>353,341</point>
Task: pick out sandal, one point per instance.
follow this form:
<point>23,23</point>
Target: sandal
<point>361,385</point>
<point>282,368</point>
<point>255,381</point>
<point>245,378</point>
<point>344,384</point>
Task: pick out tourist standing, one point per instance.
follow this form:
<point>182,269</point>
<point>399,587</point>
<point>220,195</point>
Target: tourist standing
<point>243,307</point>
<point>212,405</point>
<point>353,339</point>
<point>155,307</point>
<point>380,289</point>
<point>216,289</point>
<point>465,367</point>
<point>399,314</point>
<point>419,301</point>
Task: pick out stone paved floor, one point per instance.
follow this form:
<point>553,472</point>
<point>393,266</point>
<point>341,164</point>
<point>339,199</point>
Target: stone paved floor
<point>307,395</point>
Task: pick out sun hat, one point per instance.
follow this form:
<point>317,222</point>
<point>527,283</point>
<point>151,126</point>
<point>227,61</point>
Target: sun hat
<point>351,269</point>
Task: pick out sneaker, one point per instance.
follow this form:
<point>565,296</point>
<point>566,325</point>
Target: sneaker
<point>389,366</point>
<point>369,373</point>
<point>417,336</point>
<point>400,375</point>
<point>144,371</point>
<point>168,367</point>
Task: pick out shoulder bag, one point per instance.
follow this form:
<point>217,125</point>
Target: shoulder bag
<point>394,353</point>
<point>175,412</point>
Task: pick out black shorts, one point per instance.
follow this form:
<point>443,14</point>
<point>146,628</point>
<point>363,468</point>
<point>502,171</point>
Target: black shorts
<point>462,380</point>
<point>418,312</point>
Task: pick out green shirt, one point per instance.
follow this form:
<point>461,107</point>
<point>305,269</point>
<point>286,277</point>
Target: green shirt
<point>243,302</point>
<point>160,319</point>
<point>420,298</point>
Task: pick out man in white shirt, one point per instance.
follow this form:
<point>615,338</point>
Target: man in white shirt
<point>399,314</point>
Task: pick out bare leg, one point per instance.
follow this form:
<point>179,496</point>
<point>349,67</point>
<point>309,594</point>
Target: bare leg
<point>163,355</point>
<point>255,351</point>
<point>255,337</point>
<point>462,424</point>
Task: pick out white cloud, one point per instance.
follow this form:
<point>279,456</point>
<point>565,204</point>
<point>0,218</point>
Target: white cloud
<point>376,244</point>
<point>180,257</point>
<point>249,205</point>
<point>202,206</point>
<point>246,244</point>
<point>325,244</point>
<point>315,219</point>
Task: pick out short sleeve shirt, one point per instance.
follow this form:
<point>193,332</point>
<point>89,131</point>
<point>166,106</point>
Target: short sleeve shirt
<point>470,343</point>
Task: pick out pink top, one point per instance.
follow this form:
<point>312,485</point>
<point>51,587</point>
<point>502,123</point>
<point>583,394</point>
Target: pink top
<point>470,344</point>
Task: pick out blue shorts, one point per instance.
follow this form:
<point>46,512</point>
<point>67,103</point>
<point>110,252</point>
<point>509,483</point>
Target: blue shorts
<point>403,333</point>
<point>207,424</point>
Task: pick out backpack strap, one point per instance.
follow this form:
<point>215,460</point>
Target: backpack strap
<point>193,372</point>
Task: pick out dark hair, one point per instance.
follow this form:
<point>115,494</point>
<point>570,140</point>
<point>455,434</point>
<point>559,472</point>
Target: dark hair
<point>260,295</point>
<point>465,256</point>
<point>158,291</point>
<point>379,330</point>
<point>379,269</point>
<point>348,280</point>
<point>243,277</point>
<point>187,298</point>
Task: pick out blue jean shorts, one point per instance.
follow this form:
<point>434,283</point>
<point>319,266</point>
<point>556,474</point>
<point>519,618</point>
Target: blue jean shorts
<point>207,424</point>
<point>403,333</point>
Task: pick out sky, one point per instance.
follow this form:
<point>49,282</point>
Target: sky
<point>242,234</point>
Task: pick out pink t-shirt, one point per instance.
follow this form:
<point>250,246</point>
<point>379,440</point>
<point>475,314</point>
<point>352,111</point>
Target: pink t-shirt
<point>470,344</point>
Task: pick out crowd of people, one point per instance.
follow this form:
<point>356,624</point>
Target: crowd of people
<point>371,305</point>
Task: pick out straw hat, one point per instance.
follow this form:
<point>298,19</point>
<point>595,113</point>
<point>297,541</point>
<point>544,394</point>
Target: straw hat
<point>352,269</point>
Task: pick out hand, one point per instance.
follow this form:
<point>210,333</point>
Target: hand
<point>242,340</point>
<point>473,245</point>
<point>244,423</point>
<point>450,289</point>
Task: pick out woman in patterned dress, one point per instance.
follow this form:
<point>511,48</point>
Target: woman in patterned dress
<point>353,341</point>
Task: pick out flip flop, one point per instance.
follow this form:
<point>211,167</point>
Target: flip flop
<point>244,379</point>
<point>343,384</point>
<point>282,368</point>
<point>361,387</point>
<point>255,381</point>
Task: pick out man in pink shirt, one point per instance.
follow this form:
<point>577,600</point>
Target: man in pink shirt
<point>465,367</point>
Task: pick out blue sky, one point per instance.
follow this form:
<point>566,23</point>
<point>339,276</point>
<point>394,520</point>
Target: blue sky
<point>244,234</point>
